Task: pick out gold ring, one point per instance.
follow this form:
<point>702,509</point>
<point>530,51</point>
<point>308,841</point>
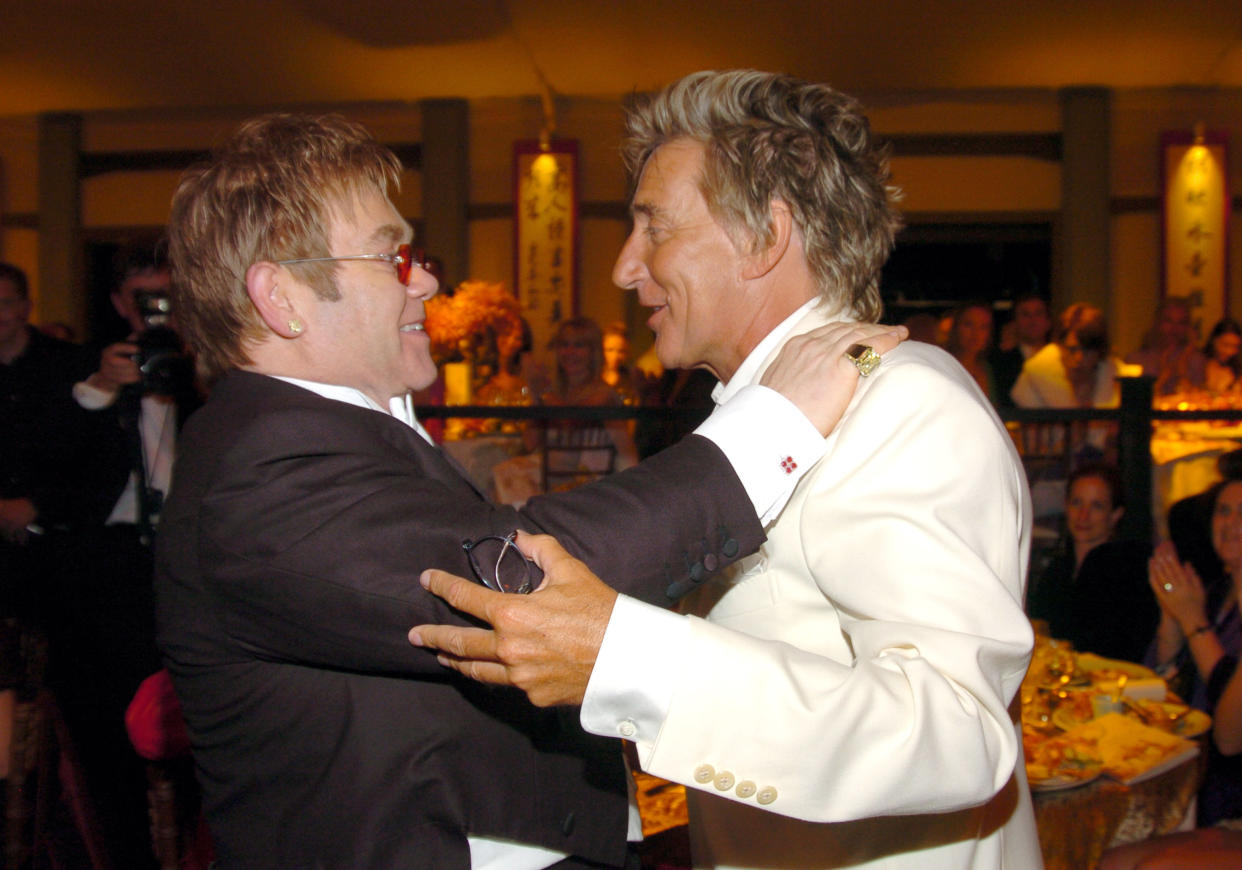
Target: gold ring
<point>864,358</point>
<point>1168,587</point>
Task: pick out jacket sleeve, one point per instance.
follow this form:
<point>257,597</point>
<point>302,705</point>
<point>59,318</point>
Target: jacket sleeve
<point>313,531</point>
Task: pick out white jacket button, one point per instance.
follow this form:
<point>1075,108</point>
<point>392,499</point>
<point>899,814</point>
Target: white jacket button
<point>627,728</point>
<point>704,773</point>
<point>724,780</point>
<point>745,788</point>
<point>766,795</point>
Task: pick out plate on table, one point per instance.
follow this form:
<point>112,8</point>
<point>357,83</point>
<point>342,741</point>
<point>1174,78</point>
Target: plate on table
<point>1129,751</point>
<point>1192,723</point>
<point>1059,762</point>
<point>1061,783</point>
<point>1174,718</point>
<point>1117,677</point>
<point>1111,668</point>
<point>1180,757</point>
<point>1073,708</point>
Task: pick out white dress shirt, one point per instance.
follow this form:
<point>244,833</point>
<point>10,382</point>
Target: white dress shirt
<point>157,428</point>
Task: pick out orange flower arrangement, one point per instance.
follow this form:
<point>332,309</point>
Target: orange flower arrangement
<point>480,323</point>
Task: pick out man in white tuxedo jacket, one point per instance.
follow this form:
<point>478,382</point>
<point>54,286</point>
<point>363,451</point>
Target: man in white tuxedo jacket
<point>850,699</point>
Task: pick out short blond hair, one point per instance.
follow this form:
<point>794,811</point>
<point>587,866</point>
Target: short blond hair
<point>267,194</point>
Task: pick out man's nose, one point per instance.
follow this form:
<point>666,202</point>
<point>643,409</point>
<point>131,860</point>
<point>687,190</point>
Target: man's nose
<point>423,285</point>
<point>628,271</point>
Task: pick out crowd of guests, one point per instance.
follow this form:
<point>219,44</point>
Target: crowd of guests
<point>1174,608</point>
<point>87,443</point>
<point>1037,361</point>
<point>590,366</point>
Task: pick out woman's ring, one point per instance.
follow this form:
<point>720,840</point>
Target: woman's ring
<point>864,358</point>
<point>1168,587</point>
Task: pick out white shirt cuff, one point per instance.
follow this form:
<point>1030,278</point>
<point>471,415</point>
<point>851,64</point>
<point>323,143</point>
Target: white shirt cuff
<point>91,397</point>
<point>769,443</point>
<point>632,683</point>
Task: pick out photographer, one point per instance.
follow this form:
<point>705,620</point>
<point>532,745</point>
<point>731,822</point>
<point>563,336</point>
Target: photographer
<point>148,382</point>
<point>142,392</point>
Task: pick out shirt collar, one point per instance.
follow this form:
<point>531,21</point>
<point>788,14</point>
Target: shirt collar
<point>400,407</point>
<point>746,372</point>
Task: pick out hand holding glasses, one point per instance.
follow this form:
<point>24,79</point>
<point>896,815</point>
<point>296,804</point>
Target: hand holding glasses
<point>499,564</point>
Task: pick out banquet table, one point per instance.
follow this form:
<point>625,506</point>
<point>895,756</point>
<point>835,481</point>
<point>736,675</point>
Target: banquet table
<point>1112,757</point>
<point>1076,825</point>
<point>1076,822</point>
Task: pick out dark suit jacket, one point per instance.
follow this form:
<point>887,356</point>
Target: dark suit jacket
<point>287,579</point>
<point>47,443</point>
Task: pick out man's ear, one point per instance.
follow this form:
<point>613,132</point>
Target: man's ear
<point>764,260</point>
<point>273,301</point>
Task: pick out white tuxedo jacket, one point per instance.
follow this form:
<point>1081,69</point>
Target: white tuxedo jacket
<point>856,679</point>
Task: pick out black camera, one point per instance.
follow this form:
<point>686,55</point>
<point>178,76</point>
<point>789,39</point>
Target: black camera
<point>161,360</point>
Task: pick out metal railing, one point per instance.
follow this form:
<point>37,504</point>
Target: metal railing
<point>1133,418</point>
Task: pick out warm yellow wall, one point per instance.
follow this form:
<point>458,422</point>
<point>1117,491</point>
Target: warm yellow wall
<point>1025,111</point>
<point>1136,278</point>
<point>984,187</point>
<point>19,165</point>
<point>1138,119</point>
<point>977,184</point>
<point>496,124</point>
<point>1140,116</point>
<point>19,194</point>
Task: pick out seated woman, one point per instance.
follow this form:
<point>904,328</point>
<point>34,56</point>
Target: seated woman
<point>1200,631</point>
<point>1093,590</point>
<point>628,380</point>
<point>1224,357</point>
<point>970,339</point>
<point>576,448</point>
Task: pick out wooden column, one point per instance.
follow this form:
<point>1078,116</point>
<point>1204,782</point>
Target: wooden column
<point>446,185</point>
<point>62,285</point>
<point>1082,246</point>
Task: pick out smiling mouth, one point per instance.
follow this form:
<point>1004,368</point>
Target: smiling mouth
<point>413,327</point>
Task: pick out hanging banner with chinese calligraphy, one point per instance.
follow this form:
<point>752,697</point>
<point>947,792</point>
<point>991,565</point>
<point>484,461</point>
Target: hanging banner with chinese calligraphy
<point>1196,222</point>
<point>545,202</point>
